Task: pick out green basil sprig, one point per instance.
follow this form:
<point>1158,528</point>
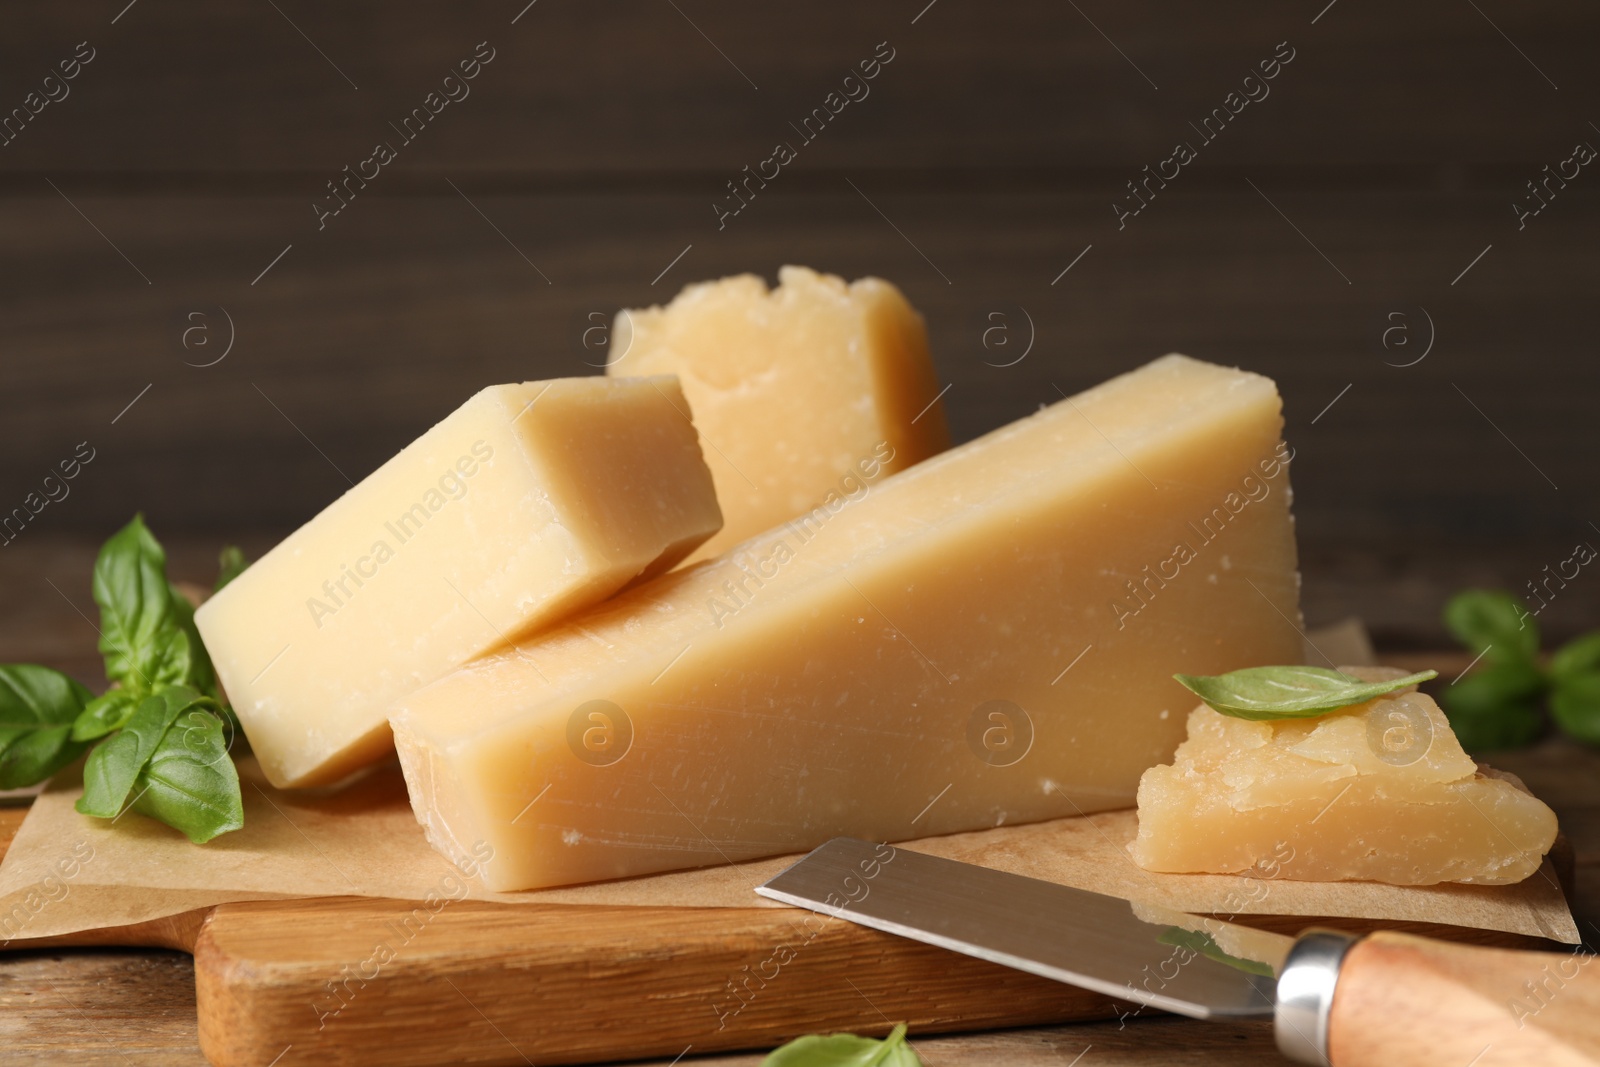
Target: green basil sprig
<point>1499,705</point>
<point>1264,693</point>
<point>845,1050</point>
<point>163,730</point>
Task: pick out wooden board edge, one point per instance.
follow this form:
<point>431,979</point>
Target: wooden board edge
<point>566,984</point>
<point>556,993</point>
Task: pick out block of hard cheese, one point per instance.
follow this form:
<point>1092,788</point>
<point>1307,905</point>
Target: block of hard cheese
<point>525,504</point>
<point>986,638</point>
<point>796,392</point>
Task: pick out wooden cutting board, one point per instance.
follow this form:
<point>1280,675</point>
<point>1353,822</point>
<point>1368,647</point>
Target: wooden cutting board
<point>281,983</point>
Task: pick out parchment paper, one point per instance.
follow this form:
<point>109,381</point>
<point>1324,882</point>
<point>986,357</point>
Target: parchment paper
<point>66,873</point>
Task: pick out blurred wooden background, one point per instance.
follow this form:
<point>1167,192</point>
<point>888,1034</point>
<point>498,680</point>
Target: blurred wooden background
<point>171,190</point>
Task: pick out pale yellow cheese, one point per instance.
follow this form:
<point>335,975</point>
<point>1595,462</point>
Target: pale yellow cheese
<point>985,638</point>
<point>527,503</point>
<point>795,391</point>
<point>1379,791</point>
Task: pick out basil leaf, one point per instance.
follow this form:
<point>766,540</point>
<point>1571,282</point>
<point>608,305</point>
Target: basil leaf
<point>1581,655</point>
<point>148,634</point>
<point>1203,944</point>
<point>1493,624</point>
<point>1262,693</point>
<point>198,673</point>
<point>230,564</point>
<point>37,707</point>
<point>1491,689</point>
<point>130,585</point>
<point>190,782</point>
<point>1496,707</point>
<point>115,764</point>
<point>845,1050</point>
<point>104,713</point>
<point>1508,726</point>
<point>172,660</point>
<point>1575,705</point>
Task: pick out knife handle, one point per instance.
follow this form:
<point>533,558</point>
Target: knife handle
<point>1405,1001</point>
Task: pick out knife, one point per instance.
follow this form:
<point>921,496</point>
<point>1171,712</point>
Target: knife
<point>1386,998</point>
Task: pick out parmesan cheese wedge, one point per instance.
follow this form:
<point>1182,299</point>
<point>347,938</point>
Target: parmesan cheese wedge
<point>1379,791</point>
<point>797,392</point>
<point>985,638</point>
<point>525,504</point>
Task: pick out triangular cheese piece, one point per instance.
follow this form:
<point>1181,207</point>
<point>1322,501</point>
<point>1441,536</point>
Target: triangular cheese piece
<point>1380,791</point>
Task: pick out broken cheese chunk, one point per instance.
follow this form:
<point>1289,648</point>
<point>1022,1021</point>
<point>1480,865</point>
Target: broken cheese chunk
<point>985,638</point>
<point>525,504</point>
<point>797,392</point>
<point>1379,791</point>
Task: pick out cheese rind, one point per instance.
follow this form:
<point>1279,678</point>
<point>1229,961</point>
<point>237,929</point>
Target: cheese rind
<point>525,504</point>
<point>985,638</point>
<point>1379,791</point>
<point>792,389</point>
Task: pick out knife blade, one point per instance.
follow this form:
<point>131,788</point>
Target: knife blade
<point>1381,1000</point>
<point>1070,935</point>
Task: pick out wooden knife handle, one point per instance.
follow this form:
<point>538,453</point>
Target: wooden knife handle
<point>1404,1001</point>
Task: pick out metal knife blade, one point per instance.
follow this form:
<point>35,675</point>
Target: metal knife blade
<point>1070,935</point>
